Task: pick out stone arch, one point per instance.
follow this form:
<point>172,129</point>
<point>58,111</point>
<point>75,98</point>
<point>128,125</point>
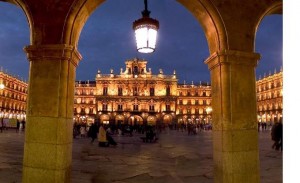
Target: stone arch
<point>104,118</point>
<point>231,48</point>
<point>119,119</point>
<point>76,13</point>
<point>151,120</point>
<point>274,8</point>
<point>167,119</point>
<point>135,119</point>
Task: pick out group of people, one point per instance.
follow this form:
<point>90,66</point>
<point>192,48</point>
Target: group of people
<point>262,126</point>
<point>103,134</point>
<point>19,125</point>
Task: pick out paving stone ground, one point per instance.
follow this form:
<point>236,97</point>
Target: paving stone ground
<point>175,158</point>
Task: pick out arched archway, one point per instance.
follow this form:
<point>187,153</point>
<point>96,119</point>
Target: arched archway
<point>104,118</point>
<point>151,120</point>
<point>54,40</point>
<point>119,119</point>
<point>167,119</point>
<point>135,120</point>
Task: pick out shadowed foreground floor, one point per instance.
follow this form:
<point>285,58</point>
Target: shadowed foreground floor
<point>175,158</point>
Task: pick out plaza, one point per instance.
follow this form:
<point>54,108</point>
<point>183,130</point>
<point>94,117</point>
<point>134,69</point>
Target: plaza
<point>55,28</point>
<point>176,157</point>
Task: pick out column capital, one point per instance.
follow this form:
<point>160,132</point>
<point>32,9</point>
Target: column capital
<point>53,52</point>
<point>232,57</point>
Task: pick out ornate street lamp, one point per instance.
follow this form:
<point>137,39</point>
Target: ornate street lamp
<point>145,30</point>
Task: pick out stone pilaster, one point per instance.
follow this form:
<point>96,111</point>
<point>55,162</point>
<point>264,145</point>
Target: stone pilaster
<point>49,123</point>
<point>235,135</point>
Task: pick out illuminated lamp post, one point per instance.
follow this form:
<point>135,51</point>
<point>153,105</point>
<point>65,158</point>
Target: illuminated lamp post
<point>145,30</point>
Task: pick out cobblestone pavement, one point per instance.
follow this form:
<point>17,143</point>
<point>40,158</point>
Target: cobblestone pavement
<point>175,158</point>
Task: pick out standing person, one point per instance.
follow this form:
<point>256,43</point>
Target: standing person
<point>82,131</point>
<point>279,132</point>
<point>18,125</point>
<point>23,124</point>
<point>93,130</point>
<point>102,137</point>
<point>276,134</point>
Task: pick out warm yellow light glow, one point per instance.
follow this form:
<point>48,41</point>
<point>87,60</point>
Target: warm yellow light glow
<point>2,86</point>
<point>145,38</point>
<point>208,110</point>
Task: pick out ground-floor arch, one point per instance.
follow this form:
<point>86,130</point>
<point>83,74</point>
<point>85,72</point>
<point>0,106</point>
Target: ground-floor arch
<point>104,118</point>
<point>151,120</point>
<point>135,120</point>
<point>167,119</point>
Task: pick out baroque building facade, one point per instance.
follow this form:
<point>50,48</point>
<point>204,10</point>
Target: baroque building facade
<point>137,96</point>
<point>13,96</point>
<point>270,97</point>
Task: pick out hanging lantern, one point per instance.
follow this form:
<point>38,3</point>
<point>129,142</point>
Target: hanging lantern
<point>145,30</point>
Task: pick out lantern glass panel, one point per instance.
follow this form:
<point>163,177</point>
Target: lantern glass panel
<point>145,38</point>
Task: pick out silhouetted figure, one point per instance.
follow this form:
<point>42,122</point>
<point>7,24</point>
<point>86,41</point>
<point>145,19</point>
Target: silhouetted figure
<point>23,124</point>
<point>92,133</point>
<point>277,136</point>
<point>18,126</point>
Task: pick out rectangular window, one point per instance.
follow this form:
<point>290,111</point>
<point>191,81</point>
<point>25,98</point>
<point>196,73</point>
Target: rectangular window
<point>104,90</point>
<point>151,108</point>
<point>135,91</point>
<point>135,107</point>
<point>151,91</point>
<point>168,92</point>
<point>120,107</point>
<point>168,108</point>
<point>104,107</point>
<point>120,91</point>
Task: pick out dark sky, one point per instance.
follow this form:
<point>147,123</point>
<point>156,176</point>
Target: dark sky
<point>107,40</point>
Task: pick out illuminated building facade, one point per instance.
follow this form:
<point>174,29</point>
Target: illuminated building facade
<point>269,98</point>
<point>194,103</point>
<point>13,96</point>
<point>136,96</point>
<point>85,102</point>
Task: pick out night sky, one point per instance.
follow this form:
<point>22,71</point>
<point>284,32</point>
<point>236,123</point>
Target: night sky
<point>107,40</point>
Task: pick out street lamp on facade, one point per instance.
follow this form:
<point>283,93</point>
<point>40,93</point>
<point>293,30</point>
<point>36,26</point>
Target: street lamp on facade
<point>208,111</point>
<point>145,30</point>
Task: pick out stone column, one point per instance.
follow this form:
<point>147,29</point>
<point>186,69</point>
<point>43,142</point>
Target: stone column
<point>235,135</point>
<point>49,123</point>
